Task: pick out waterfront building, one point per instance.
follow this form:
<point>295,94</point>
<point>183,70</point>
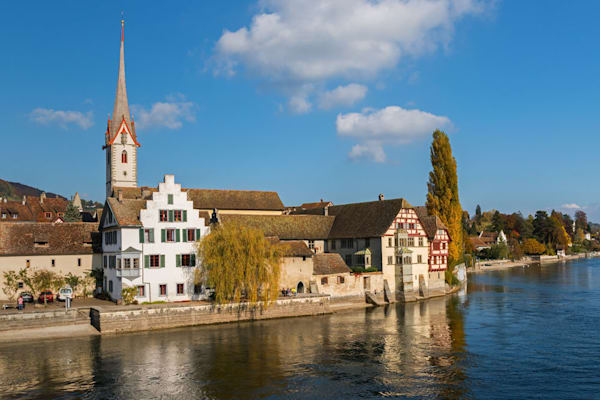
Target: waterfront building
<point>150,244</point>
<point>439,241</point>
<point>70,247</point>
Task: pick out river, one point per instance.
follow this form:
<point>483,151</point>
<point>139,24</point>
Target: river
<point>519,333</point>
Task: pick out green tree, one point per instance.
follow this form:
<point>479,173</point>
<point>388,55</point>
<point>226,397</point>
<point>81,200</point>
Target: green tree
<point>581,221</point>
<point>497,222</point>
<point>11,284</point>
<point>72,214</point>
<point>478,213</point>
<point>44,280</point>
<point>442,196</point>
<point>239,262</point>
<point>73,280</point>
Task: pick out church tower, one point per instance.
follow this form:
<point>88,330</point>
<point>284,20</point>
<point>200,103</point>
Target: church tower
<point>120,139</point>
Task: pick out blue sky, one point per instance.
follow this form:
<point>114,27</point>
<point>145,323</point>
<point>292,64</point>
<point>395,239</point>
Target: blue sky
<point>327,99</point>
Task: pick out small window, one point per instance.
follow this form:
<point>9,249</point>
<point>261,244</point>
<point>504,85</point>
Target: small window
<point>311,244</point>
<point>110,286</point>
<point>419,259</point>
<point>20,285</point>
<point>79,262</point>
<point>15,216</point>
<point>163,216</point>
<point>411,242</point>
<point>170,235</point>
<point>170,198</point>
<point>48,215</point>
<point>191,235</point>
<point>323,281</point>
<point>53,263</point>
<point>180,288</point>
<point>124,157</point>
<point>340,280</point>
<point>154,261</point>
<point>177,216</point>
<point>390,260</point>
<point>367,242</point>
<point>127,263</point>
<point>149,235</point>
<point>141,291</point>
<point>389,242</point>
<point>136,263</point>
<point>162,289</point>
<point>3,215</point>
<point>27,263</point>
<point>420,242</point>
<point>348,259</point>
<point>186,260</point>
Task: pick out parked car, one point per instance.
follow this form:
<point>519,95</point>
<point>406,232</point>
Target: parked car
<point>46,294</point>
<point>64,293</point>
<point>27,297</point>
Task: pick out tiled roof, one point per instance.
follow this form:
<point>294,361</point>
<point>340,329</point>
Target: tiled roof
<point>329,263</point>
<point>319,204</point>
<point>431,223</point>
<point>293,248</point>
<point>362,220</point>
<point>33,210</point>
<point>286,227</point>
<point>477,243</point>
<point>126,211</point>
<point>62,239</point>
<point>206,199</point>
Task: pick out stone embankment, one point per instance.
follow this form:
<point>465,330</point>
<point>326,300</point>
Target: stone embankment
<point>43,319</point>
<point>162,316</point>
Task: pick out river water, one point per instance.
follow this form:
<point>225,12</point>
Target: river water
<point>520,333</point>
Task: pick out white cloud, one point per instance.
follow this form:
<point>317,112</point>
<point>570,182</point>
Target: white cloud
<point>299,104</point>
<point>169,114</point>
<point>62,118</point>
<point>571,206</point>
<point>294,42</point>
<point>391,125</point>
<point>342,96</point>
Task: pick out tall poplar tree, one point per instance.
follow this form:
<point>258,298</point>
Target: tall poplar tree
<point>442,196</point>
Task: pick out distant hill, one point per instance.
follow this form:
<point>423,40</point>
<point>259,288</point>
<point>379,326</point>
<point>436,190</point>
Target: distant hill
<point>16,191</point>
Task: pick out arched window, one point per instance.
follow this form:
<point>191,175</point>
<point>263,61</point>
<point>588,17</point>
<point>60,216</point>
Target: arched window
<point>124,157</point>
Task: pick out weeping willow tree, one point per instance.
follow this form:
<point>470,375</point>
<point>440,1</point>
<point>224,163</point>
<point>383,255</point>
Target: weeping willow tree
<point>239,262</point>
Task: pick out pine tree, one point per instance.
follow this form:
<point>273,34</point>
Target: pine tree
<point>72,214</point>
<point>442,196</point>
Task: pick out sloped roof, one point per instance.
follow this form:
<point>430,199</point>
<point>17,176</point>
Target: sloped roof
<point>294,248</point>
<point>11,208</point>
<point>477,242</point>
<point>126,211</point>
<point>370,219</point>
<point>329,263</point>
<point>285,227</point>
<point>206,199</point>
<point>431,223</point>
<point>63,239</point>
<point>319,204</point>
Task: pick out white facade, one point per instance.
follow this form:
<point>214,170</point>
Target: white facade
<point>158,256</point>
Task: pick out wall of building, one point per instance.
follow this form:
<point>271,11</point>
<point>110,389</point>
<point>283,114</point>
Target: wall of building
<point>64,264</point>
<point>353,285</point>
<point>295,270</point>
<point>161,316</point>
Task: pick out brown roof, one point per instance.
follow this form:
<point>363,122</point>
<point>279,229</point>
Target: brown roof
<point>53,239</point>
<point>319,204</point>
<point>488,238</point>
<point>370,219</point>
<point>477,243</point>
<point>126,212</point>
<point>286,227</point>
<point>33,210</point>
<point>206,199</point>
<point>431,223</point>
<point>12,208</point>
<point>294,248</point>
<point>329,263</point>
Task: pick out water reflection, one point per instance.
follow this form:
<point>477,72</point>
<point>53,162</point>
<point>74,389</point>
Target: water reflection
<point>413,350</point>
<point>530,331</point>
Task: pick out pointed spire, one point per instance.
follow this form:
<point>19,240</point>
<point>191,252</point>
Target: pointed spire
<point>121,109</point>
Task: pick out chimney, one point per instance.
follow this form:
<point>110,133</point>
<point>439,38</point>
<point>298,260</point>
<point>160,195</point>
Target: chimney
<point>321,200</point>
<point>381,197</point>
<point>42,197</point>
<point>326,210</point>
<point>214,218</point>
<point>120,196</point>
<point>24,200</point>
<point>5,199</point>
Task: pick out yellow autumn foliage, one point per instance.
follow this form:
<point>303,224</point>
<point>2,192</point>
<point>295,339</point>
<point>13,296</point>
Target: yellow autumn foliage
<point>239,263</point>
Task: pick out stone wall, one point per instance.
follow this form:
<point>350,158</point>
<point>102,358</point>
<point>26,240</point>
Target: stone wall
<point>43,319</point>
<point>161,316</point>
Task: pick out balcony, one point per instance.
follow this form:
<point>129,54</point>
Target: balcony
<point>127,272</point>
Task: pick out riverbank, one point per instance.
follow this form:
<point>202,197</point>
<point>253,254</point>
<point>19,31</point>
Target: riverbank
<point>498,265</point>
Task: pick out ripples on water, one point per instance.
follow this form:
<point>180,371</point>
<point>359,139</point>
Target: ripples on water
<point>521,333</point>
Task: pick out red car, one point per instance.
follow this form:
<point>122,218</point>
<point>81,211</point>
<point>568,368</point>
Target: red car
<point>48,295</point>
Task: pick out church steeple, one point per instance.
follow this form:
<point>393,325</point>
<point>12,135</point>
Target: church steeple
<point>121,109</point>
<point>120,139</point>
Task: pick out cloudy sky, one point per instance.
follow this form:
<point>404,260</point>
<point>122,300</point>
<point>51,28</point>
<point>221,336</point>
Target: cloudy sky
<point>333,99</point>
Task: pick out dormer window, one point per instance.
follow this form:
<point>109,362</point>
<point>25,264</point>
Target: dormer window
<point>48,215</point>
<point>40,243</point>
<point>3,215</point>
<point>124,157</point>
<point>15,216</point>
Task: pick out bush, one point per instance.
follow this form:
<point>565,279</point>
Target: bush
<point>451,279</point>
<point>128,295</point>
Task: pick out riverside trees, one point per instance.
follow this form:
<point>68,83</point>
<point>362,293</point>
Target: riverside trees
<point>442,196</point>
<point>239,262</point>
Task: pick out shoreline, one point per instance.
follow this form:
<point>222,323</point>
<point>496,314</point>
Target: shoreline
<point>504,265</point>
<point>19,335</point>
